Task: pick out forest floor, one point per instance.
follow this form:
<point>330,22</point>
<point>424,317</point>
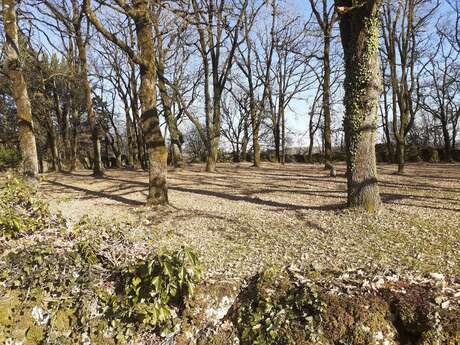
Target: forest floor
<point>241,219</point>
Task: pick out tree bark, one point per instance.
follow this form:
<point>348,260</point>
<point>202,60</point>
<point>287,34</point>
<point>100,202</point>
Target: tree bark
<point>447,143</point>
<point>359,29</point>
<point>245,140</point>
<point>326,103</point>
<point>155,144</point>
<point>174,133</point>
<point>19,90</point>
<point>98,169</point>
<point>214,129</point>
<point>255,142</point>
<point>74,139</point>
<point>401,147</point>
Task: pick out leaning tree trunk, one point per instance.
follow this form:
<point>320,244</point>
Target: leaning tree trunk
<point>359,27</point>
<point>98,169</point>
<point>19,90</point>
<point>156,148</point>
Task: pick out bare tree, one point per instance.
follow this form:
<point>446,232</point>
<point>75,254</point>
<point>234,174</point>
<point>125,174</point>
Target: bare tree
<point>247,64</point>
<point>217,24</point>
<point>402,24</point>
<point>441,93</point>
<point>139,12</point>
<point>326,17</point>
<point>73,20</point>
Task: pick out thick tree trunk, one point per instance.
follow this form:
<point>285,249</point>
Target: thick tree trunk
<point>212,154</point>
<point>98,169</point>
<point>19,90</point>
<point>155,144</point>
<point>359,29</point>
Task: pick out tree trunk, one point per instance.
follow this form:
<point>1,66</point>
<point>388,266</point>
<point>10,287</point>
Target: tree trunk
<point>326,103</point>
<point>129,137</point>
<point>245,140</point>
<point>310,150</point>
<point>19,90</point>
<point>174,133</point>
<point>98,169</point>
<point>359,29</point>
<point>212,154</point>
<point>283,136</point>
<point>256,146</point>
<point>74,141</point>
<point>155,144</point>
<point>276,134</point>
<point>401,147</point>
<point>56,162</point>
<point>255,137</point>
<point>139,143</point>
<point>447,143</point>
<point>215,131</point>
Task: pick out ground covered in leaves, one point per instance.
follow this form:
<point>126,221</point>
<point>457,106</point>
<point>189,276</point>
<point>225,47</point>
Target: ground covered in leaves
<point>281,261</point>
<point>241,219</point>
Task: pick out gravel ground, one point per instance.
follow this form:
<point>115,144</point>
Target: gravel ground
<point>241,219</point>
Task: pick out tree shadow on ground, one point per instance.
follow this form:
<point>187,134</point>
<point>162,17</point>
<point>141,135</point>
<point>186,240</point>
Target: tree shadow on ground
<point>253,200</point>
<point>127,187</point>
<point>98,194</point>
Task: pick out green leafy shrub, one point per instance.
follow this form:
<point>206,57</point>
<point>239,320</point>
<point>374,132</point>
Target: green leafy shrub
<point>21,210</point>
<point>9,158</point>
<point>153,292</point>
<point>60,292</point>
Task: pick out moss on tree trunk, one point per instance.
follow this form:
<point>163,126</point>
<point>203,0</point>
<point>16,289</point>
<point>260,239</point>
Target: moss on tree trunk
<point>156,149</point>
<point>359,27</point>
<point>19,90</point>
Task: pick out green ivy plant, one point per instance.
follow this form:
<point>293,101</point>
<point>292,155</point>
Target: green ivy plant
<point>153,292</point>
<point>276,308</point>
